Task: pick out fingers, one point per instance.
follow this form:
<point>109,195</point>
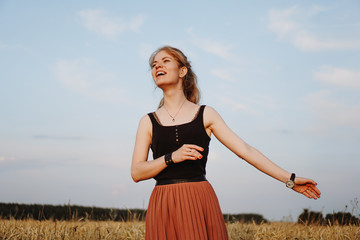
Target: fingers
<point>187,152</point>
<point>192,152</point>
<point>310,191</point>
<point>312,194</point>
<point>311,188</point>
<point>307,194</point>
<point>315,190</point>
<point>193,146</point>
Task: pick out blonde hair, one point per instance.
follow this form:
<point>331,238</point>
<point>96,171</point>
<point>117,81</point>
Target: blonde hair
<point>190,88</point>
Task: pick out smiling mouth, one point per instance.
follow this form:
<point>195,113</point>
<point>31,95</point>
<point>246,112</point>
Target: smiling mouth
<point>160,73</point>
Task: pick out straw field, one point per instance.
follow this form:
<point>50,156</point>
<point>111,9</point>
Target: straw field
<point>70,230</point>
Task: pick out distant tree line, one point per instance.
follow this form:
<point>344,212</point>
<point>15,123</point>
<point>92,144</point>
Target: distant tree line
<point>67,212</point>
<point>341,218</point>
<point>256,218</point>
<point>74,212</point>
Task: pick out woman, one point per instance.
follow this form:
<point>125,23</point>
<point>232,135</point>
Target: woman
<point>183,204</point>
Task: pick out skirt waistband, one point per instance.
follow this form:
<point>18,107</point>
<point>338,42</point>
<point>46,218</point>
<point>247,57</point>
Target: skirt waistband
<point>180,180</point>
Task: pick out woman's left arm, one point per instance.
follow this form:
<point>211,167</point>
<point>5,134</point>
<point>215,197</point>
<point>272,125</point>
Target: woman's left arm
<point>216,125</point>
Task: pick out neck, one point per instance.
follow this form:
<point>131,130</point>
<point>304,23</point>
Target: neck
<point>173,103</point>
<point>174,99</point>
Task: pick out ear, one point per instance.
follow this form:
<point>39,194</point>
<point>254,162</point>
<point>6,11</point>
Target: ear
<point>183,71</point>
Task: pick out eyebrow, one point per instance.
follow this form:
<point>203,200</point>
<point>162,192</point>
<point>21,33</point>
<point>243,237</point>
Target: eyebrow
<point>162,59</point>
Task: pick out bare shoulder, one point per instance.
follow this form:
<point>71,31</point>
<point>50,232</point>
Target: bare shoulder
<point>211,116</point>
<point>210,113</point>
<point>145,119</point>
<point>145,124</point>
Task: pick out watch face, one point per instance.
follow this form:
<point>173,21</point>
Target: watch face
<point>290,184</point>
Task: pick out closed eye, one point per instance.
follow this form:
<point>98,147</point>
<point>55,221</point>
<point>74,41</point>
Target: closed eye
<point>166,59</point>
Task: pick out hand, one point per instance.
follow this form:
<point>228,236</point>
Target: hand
<point>187,152</point>
<point>307,187</point>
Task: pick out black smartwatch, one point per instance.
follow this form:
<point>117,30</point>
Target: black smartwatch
<point>291,182</point>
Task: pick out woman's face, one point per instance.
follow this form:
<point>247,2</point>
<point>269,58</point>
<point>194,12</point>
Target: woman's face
<point>165,69</point>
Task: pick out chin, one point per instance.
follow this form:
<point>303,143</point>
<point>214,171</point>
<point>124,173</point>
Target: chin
<point>161,83</point>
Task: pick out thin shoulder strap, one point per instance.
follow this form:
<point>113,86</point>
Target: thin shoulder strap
<point>200,113</point>
<point>201,110</point>
<point>153,118</point>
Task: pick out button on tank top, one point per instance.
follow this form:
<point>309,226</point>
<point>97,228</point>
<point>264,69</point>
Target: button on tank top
<point>167,139</point>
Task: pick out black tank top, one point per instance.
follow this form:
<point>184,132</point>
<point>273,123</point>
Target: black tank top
<point>167,139</point>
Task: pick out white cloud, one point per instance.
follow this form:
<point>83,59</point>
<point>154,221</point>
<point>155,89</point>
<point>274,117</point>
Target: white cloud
<point>98,21</point>
<point>341,77</point>
<point>280,21</point>
<point>335,108</point>
<point>225,51</point>
<point>309,42</point>
<point>331,112</point>
<point>222,50</point>
<point>136,23</point>
<point>86,77</point>
<point>218,49</point>
<point>6,159</point>
<point>289,25</point>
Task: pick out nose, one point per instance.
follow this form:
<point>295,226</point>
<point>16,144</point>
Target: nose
<point>158,65</point>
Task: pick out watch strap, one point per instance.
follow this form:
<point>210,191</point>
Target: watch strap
<point>292,178</point>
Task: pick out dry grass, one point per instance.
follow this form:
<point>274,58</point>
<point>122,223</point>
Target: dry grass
<point>293,231</point>
<point>66,230</point>
<point>70,230</point>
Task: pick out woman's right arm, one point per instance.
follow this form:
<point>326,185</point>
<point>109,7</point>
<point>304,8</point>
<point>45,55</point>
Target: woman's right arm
<point>141,169</point>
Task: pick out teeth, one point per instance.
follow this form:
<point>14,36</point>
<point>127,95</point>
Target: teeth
<point>160,73</point>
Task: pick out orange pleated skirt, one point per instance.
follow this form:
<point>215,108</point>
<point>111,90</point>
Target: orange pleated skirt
<point>184,211</point>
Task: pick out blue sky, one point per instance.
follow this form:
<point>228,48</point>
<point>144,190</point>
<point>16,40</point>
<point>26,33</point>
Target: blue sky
<point>74,82</point>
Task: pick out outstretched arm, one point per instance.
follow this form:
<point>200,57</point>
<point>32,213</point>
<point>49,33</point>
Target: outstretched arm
<point>226,136</point>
